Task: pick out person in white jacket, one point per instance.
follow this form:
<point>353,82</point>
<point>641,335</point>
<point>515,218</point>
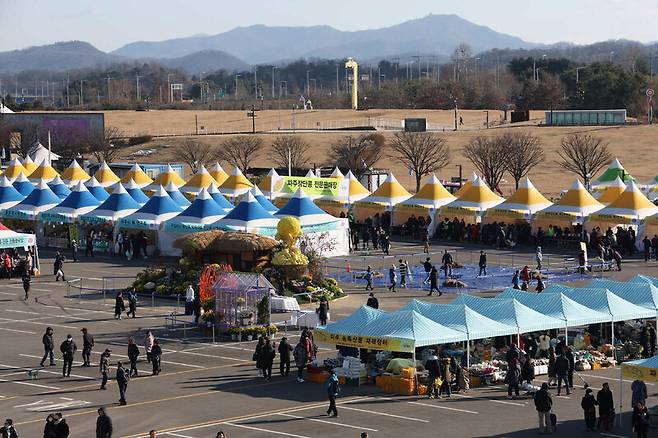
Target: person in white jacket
<point>189,300</point>
<point>539,257</point>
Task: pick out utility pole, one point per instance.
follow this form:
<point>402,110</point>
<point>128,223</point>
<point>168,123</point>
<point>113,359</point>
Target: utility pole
<point>308,82</point>
<point>139,94</point>
<point>82,100</point>
<point>236,85</point>
<point>273,75</point>
<point>456,126</point>
<point>337,90</point>
<point>256,82</point>
<point>109,99</point>
<point>170,92</point>
<point>68,97</point>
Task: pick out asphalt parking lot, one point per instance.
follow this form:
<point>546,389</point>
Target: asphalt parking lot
<point>206,387</point>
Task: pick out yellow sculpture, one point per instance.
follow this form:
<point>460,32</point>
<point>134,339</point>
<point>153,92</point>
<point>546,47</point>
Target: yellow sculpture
<point>351,64</point>
<point>288,231</point>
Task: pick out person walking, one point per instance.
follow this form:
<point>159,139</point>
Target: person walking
<point>258,355</point>
<point>269,353</point>
<point>148,345</point>
<point>132,304</point>
<point>482,263</point>
<point>528,370</point>
<point>332,392</point>
<point>156,356</point>
<point>323,310</point>
<point>617,257</point>
<point>122,383</point>
<point>606,407</point>
<point>641,420</point>
<point>646,243</point>
<point>133,354</point>
<point>103,424</point>
<point>58,267</point>
<point>48,347</point>
<point>49,429</point>
<point>372,301</point>
<point>68,349</point>
<point>301,358</point>
<point>572,366</point>
<point>74,250</point>
<point>119,305</point>
<point>404,270</point>
<point>552,367</point>
<point>393,278</point>
<point>434,372</point>
<point>540,285</point>
<point>8,430</point>
<point>434,281</point>
<point>61,427</point>
<point>104,367</point>
<point>543,405</point>
<point>87,345</point>
<point>562,372</point>
<point>368,276</point>
<point>446,378</point>
<point>639,392</point>
<point>26,279</point>
<point>284,356</point>
<point>516,280</point>
<point>427,265</point>
<point>513,378</point>
<point>89,244</point>
<point>446,263</point>
<point>588,403</point>
<point>189,300</point>
<point>539,258</point>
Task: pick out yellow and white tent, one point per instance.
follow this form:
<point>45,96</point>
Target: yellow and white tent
<point>612,192</point>
<point>337,173</point>
<point>140,177</point>
<point>629,208</point>
<point>356,192</point>
<point>74,174</point>
<point>200,180</point>
<point>169,176</point>
<point>572,208</point>
<point>387,195</point>
<point>467,185</point>
<point>429,198</point>
<point>268,184</point>
<point>310,174</point>
<point>235,185</point>
<point>29,165</point>
<point>522,205</point>
<point>105,176</point>
<point>14,169</point>
<point>45,172</point>
<point>474,201</point>
<point>218,174</point>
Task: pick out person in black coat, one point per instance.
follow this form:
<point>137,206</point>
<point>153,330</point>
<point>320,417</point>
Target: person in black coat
<point>50,429</point>
<point>641,420</point>
<point>434,281</point>
<point>8,431</point>
<point>103,425</point>
<point>122,383</point>
<point>606,407</point>
<point>87,345</point>
<point>434,372</point>
<point>268,353</point>
<point>323,310</point>
<point>132,304</point>
<point>528,370</point>
<point>284,349</point>
<point>156,356</point>
<point>68,349</point>
<point>588,403</point>
<point>48,346</point>
<point>26,284</point>
<point>572,365</point>
<point>133,354</point>
<point>61,428</point>
<point>119,305</point>
<point>562,372</point>
<point>372,301</point>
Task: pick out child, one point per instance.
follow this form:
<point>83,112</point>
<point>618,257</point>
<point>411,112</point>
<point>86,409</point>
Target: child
<point>368,277</point>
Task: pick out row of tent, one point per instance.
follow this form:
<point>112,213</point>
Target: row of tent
<point>512,312</point>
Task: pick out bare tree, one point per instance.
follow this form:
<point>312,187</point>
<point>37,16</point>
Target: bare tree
<point>357,153</point>
<point>289,149</point>
<point>489,156</point>
<point>584,155</point>
<point>421,152</point>
<point>194,153</point>
<point>524,151</point>
<point>240,151</point>
<point>107,147</point>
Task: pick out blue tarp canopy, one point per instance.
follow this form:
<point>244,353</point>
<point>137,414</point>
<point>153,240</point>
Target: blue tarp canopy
<point>642,294</point>
<point>644,279</point>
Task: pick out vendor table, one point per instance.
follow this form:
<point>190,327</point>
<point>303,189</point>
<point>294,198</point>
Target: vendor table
<point>284,304</point>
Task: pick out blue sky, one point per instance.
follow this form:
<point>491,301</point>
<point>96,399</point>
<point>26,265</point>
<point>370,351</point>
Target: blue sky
<point>108,24</point>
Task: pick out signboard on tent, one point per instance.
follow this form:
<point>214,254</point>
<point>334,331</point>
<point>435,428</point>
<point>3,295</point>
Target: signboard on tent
<point>367,342</point>
<point>17,240</point>
<point>138,224</point>
<point>637,372</point>
<point>313,187</point>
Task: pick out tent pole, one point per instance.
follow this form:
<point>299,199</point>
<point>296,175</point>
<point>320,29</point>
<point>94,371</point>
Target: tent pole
<point>612,337</point>
<point>566,335</point>
<point>468,353</point>
<point>621,395</point>
<point>518,339</point>
<point>415,373</point>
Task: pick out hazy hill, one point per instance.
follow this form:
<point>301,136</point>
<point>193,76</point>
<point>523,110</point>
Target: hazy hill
<point>58,56</point>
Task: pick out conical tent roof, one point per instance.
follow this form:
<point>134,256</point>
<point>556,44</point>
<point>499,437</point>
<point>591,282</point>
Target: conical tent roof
<point>356,190</point>
<point>219,198</point>
<point>204,210</point>
<point>159,208</point>
<point>267,184</point>
<point>248,214</point>
<point>59,188</point>
<point>176,195</point>
<point>477,197</point>
<point>615,170</point>
<point>431,195</point>
<point>526,199</point>
<point>652,193</point>
<point>218,174</point>
<point>301,207</point>
<point>201,179</point>
<point>15,169</point>
<point>105,176</point>
<point>45,172</point>
<point>631,204</point>
<point>310,174</point>
<point>653,183</point>
<point>9,196</point>
<point>576,202</point>
<point>612,191</point>
<point>40,200</point>
<point>96,189</point>
<point>236,184</point>
<point>389,193</point>
<point>74,173</point>
<point>467,184</point>
<point>22,184</point>
<point>78,202</point>
<point>136,193</point>
<point>119,204</point>
<point>165,178</point>
<point>137,175</point>
<point>337,173</point>
<point>29,165</point>
<point>263,201</point>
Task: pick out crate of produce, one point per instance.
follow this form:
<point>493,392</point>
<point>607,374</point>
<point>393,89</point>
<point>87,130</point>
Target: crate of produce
<point>408,373</point>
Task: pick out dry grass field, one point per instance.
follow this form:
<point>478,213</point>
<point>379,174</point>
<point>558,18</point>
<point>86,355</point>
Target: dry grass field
<point>635,146</point>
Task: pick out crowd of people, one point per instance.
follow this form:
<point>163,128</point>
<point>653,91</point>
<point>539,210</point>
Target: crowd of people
<point>303,353</point>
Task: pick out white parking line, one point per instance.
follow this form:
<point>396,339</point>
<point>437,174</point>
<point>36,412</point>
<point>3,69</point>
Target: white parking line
<point>419,420</point>
<point>48,315</point>
<point>438,406</point>
<point>17,331</point>
<point>29,384</point>
<point>39,357</point>
<point>28,321</point>
<point>612,435</point>
<point>317,420</point>
<point>162,361</point>
<point>612,378</point>
<point>176,434</point>
<point>502,402</point>
<point>259,429</point>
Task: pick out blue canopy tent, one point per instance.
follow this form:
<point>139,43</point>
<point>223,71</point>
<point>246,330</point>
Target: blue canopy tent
<point>23,185</point>
<point>301,207</point>
<point>644,279</point>
<point>643,294</point>
<point>203,211</point>
<point>59,188</point>
<point>119,204</point>
<point>248,216</point>
<point>80,201</point>
<point>157,210</point>
<point>176,195</point>
<point>219,198</point>
<point>263,201</point>
<point>96,189</point>
<point>137,194</point>
<point>9,196</point>
<point>41,199</point>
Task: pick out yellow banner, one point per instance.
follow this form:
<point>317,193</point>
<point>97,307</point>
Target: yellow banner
<point>367,342</point>
<point>638,372</point>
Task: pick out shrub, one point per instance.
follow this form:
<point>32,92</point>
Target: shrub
<point>139,139</point>
<point>161,289</point>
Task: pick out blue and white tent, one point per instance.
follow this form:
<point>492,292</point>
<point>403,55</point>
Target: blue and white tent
<point>137,194</point>
<point>176,195</point>
<point>644,279</point>
<point>59,188</point>
<point>249,216</point>
<point>301,207</point>
<point>9,196</point>
<point>157,210</point>
<point>263,201</point>
<point>642,294</point>
<point>96,189</point>
<point>203,211</point>
<point>23,185</point>
<point>119,204</point>
<point>214,192</point>
<point>79,202</point>
<point>41,199</point>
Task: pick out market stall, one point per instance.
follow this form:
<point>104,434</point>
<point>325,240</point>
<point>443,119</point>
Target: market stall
<point>200,180</point>
<point>615,170</point>
<point>338,205</point>
<point>29,164</point>
<point>218,173</point>
<point>59,188</point>
<point>425,203</point>
<point>78,202</point>
<point>23,185</point>
<point>168,176</point>
<point>203,211</point>
<point>96,189</point>
<point>248,216</point>
<point>177,196</point>
<point>215,194</point>
<point>629,209</point>
<point>106,176</point>
<point>471,204</point>
<point>572,208</point>
<point>44,172</point>
<point>388,195</point>
<point>235,185</point>
<point>524,203</point>
<point>15,169</point>
<point>611,192</point>
<point>74,174</point>
<point>267,184</point>
<point>138,176</point>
